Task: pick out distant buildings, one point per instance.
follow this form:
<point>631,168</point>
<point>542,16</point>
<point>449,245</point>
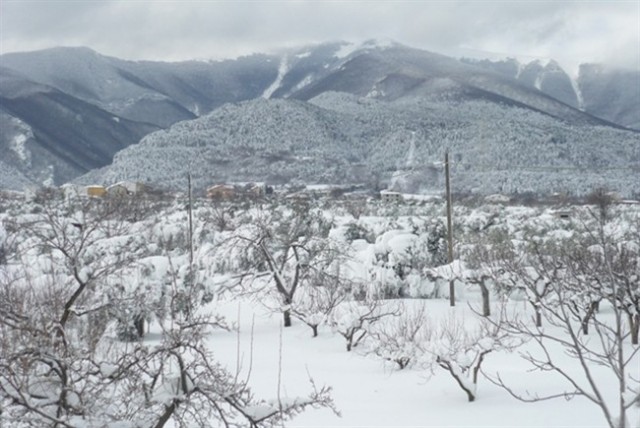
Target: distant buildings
<point>228,191</point>
<point>120,189</point>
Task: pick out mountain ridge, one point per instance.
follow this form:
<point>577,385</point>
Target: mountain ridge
<point>138,97</point>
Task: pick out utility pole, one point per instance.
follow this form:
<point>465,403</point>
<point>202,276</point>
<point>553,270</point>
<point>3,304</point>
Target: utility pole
<point>190,210</point>
<point>452,296</point>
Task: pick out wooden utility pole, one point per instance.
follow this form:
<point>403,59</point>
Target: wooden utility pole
<point>452,296</point>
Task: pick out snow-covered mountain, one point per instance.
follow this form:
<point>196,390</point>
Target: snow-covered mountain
<point>354,101</point>
<point>50,137</point>
<point>607,93</point>
<point>611,94</point>
<point>160,93</point>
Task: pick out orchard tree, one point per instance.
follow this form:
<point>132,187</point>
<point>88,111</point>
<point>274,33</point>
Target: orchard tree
<point>292,244</point>
<point>401,339</point>
<point>461,349</point>
<point>353,320</point>
<point>62,363</point>
<point>321,294</point>
<point>596,264</point>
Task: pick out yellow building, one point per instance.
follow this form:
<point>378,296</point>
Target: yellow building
<point>96,191</point>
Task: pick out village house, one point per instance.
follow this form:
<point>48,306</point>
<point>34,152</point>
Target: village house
<point>72,191</point>
<point>298,199</point>
<point>134,187</point>
<point>563,214</point>
<point>221,192</point>
<point>256,190</point>
<point>96,191</point>
<point>117,190</point>
<point>390,197</point>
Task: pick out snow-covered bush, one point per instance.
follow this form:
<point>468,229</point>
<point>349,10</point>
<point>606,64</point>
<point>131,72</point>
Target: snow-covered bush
<point>356,230</point>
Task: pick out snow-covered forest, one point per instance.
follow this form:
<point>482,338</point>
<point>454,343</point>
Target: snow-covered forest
<point>344,139</point>
<point>135,312</point>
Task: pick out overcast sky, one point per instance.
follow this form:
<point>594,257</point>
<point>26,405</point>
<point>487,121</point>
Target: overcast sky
<point>568,31</point>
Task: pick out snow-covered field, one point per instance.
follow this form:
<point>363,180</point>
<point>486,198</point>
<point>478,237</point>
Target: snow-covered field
<point>251,262</point>
<point>371,393</point>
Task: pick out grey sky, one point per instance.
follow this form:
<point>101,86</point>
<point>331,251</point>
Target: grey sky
<point>569,31</point>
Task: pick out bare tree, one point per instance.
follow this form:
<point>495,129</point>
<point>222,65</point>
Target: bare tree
<point>82,244</point>
<point>356,207</point>
<point>592,266</point>
<point>353,320</point>
<point>291,246</point>
<point>482,263</point>
<point>61,364</point>
<point>461,350</point>
<point>321,294</point>
<point>602,199</point>
<point>45,381</point>
<point>402,339</point>
<point>524,267</point>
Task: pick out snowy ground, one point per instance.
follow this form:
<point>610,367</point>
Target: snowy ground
<point>369,393</point>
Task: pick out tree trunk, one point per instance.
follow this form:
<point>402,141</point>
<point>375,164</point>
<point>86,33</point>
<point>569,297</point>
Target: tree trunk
<point>287,312</point>
<point>315,330</point>
<point>486,307</point>
<point>538,315</point>
<point>287,318</point>
<point>634,326</point>
<point>585,325</point>
<point>138,322</point>
<point>447,366</point>
<point>587,317</point>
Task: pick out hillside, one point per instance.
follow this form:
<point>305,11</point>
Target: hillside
<point>341,138</point>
